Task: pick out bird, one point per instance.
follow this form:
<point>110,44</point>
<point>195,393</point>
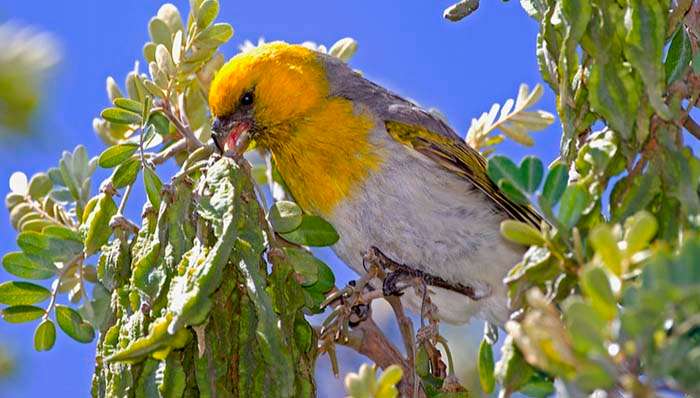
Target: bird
<point>385,172</point>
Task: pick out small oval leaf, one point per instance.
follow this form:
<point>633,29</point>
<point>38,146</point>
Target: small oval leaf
<point>45,335</point>
<point>116,155</point>
<point>70,321</point>
<point>285,216</point>
<point>22,293</point>
<point>120,116</point>
<point>313,231</point>
<point>21,313</point>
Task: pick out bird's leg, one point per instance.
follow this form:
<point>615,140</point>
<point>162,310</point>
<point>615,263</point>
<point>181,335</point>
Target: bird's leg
<point>400,276</point>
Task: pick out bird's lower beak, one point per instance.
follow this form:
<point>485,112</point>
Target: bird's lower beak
<point>235,140</point>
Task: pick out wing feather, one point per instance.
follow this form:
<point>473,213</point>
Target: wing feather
<point>458,157</point>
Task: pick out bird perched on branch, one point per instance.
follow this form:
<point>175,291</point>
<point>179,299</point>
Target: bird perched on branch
<point>385,172</point>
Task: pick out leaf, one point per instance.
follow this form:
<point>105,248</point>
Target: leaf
<point>153,186</point>
<point>678,56</point>
<point>214,35</point>
<point>645,23</point>
<point>614,94</point>
<point>531,170</point>
<point>325,280</point>
<point>502,168</point>
<point>22,293</point>
<point>574,201</point>
<point>39,186</point>
<point>344,49</point>
<point>97,223</point>
<point>120,116</point>
<point>596,286</point>
<point>305,265</point>
<point>129,105</point>
<point>555,184</point>
<point>126,173</point>
<point>21,313</point>
<point>164,61</point>
<point>605,245</point>
<point>24,266</point>
<point>72,324</point>
<point>160,123</point>
<point>285,216</point>
<point>207,13</point>
<point>640,229</point>
<point>485,367</point>
<point>313,231</point>
<point>521,233</point>
<point>45,335</point>
<point>159,31</point>
<point>116,155</point>
<point>157,339</point>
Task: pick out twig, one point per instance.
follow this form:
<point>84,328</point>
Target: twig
<point>406,328</point>
<point>185,131</point>
<point>125,197</point>
<point>692,126</point>
<point>167,153</point>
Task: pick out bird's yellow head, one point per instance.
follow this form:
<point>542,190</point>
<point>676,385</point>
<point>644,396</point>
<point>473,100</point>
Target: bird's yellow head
<point>267,88</point>
<point>279,95</point>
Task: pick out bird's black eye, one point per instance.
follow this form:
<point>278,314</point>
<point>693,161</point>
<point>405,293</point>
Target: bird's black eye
<point>247,99</point>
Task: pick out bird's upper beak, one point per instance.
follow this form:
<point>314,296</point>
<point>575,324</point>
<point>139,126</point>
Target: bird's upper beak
<point>231,134</point>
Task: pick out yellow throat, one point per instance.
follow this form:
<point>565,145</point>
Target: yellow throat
<point>320,144</point>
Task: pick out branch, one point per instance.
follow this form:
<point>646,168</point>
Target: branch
<point>692,126</point>
<point>367,339</point>
<point>183,129</point>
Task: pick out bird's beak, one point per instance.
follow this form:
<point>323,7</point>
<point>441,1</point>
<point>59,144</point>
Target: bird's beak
<point>232,135</point>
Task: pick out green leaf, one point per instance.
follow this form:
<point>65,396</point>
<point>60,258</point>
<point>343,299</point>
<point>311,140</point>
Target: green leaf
<point>313,231</point>
<point>605,245</point>
<point>305,265</point>
<point>28,267</point>
<point>21,313</point>
<point>485,367</point>
<point>640,229</point>
<point>72,324</point>
<point>596,287</point>
<point>645,22</point>
<point>126,173</point>
<point>574,201</point>
<point>22,293</point>
<point>512,192</point>
<point>214,36</point>
<point>531,171</point>
<point>207,12</point>
<point>160,123</point>
<point>129,105</point>
<point>502,168</point>
<point>285,216</point>
<point>325,280</point>
<point>153,186</point>
<point>120,116</point>
<point>48,247</point>
<point>157,339</point>
<point>97,222</point>
<point>613,93</point>
<point>172,384</point>
<point>679,55</point>
<point>39,185</point>
<point>116,155</point>
<point>555,184</point>
<point>159,32</point>
<point>45,335</point>
<point>521,233</point>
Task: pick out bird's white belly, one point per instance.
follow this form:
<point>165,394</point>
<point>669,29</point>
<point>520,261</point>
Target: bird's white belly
<point>420,215</point>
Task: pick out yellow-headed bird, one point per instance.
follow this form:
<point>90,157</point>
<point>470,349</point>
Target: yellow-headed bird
<point>383,171</point>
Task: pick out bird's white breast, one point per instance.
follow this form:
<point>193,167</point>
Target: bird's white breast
<point>421,215</point>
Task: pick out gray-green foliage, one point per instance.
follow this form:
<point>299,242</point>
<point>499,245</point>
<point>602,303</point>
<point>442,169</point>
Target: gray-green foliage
<point>608,292</point>
<point>201,299</point>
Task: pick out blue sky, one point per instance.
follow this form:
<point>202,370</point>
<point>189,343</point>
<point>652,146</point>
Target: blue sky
<point>459,68</point>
